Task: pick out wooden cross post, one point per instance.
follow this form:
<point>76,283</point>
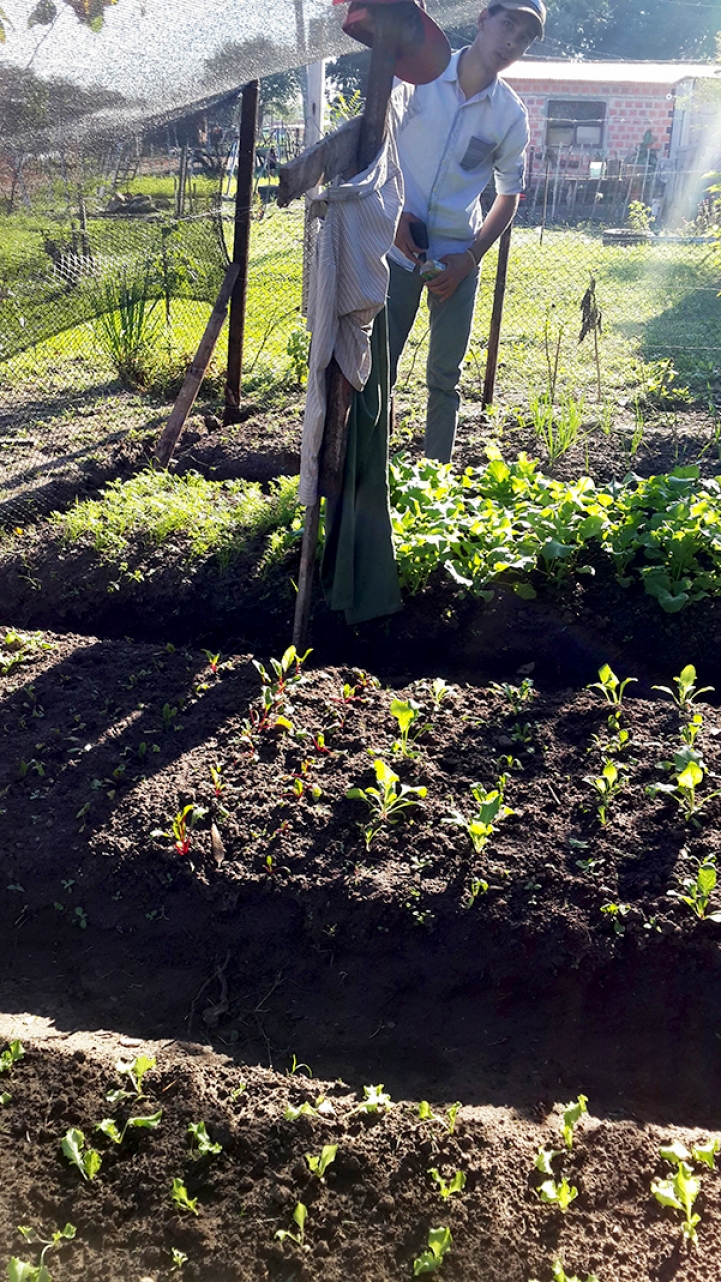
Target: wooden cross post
<point>347,152</point>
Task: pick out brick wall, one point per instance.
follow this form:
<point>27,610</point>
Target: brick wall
<point>630,111</point>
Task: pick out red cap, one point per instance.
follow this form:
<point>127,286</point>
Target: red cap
<point>418,61</point>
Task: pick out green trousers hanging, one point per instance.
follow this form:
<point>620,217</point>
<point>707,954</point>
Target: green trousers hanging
<point>358,569</point>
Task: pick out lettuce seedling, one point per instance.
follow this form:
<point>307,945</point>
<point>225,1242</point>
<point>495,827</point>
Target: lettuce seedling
<point>109,1126</point>
<point>200,1141</point>
<point>491,809</point>
<point>386,801</point>
<point>136,1071</point>
<point>430,1261</point>
<point>609,685</point>
<point>680,1193</point>
<point>560,1275</point>
<point>179,1258</point>
<point>21,1272</point>
<point>87,1160</point>
<point>606,786</point>
<point>319,1165</point>
<point>11,1055</point>
<point>686,691</point>
<point>179,1194</point>
<point>558,1194</point>
<point>699,890</point>
<point>544,1158</point>
<point>426,1114</point>
<point>299,1217</point>
<point>572,1114</point>
<point>446,1189</point>
<point>376,1101</point>
<point>677,1152</point>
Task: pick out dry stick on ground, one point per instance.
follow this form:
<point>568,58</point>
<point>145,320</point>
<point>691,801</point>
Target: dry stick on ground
<point>389,24</point>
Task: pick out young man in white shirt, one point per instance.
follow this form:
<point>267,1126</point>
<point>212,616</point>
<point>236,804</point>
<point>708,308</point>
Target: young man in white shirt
<point>452,135</point>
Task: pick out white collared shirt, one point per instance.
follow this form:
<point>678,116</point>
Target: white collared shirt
<point>448,147</point>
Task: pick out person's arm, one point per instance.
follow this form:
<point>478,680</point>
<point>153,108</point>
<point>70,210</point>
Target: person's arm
<point>458,266</point>
<point>404,238</point>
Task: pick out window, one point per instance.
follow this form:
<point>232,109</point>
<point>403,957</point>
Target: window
<point>575,122</point>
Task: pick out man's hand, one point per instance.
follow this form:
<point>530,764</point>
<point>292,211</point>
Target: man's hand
<point>458,266</point>
<point>404,240</point>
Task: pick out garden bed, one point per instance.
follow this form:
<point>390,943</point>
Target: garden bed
<point>556,959</point>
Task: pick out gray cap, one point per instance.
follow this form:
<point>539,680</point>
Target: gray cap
<point>536,8</point>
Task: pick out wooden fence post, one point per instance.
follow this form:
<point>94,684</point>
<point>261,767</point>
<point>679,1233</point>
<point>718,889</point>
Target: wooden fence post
<point>241,248</point>
<point>494,335</point>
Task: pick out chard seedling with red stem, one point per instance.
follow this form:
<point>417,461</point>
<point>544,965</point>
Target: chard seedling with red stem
<point>182,828</point>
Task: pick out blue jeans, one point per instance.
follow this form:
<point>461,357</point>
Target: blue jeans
<point>450,325</point>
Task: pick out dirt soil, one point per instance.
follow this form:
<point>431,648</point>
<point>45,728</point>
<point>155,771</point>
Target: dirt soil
<point>282,935</point>
<point>557,959</point>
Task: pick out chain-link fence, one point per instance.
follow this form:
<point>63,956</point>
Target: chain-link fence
<point>79,287</point>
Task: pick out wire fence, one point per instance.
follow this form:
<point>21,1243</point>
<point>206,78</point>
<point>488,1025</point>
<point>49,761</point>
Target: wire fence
<point>67,400</point>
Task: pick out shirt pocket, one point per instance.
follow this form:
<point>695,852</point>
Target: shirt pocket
<point>478,151</point>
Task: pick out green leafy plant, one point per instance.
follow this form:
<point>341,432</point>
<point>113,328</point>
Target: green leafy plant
<point>607,785</point>
<point>639,216</point>
<point>109,1126</point>
<point>179,1194</point>
<point>300,1214</point>
<point>179,1258</point>
<point>572,1114</point>
<point>375,1101</point>
<point>453,1116</point>
<point>697,891</point>
<point>387,801</point>
<point>127,326</point>
<point>558,1193</point>
<point>201,1144</point>
<point>135,1070</point>
<point>686,691</point>
<point>440,1241</point>
<point>406,712</point>
<point>182,827</point>
<point>679,1192</point>
<point>517,696</point>
<point>298,349</point>
<point>447,1188</point>
<point>491,809</point>
<point>18,1271</point>
<point>616,912</point>
<point>609,685</point>
<point>87,1160</point>
<point>11,1055</point>
<point>319,1165</point>
<point>688,773</point>
<point>560,1275</point>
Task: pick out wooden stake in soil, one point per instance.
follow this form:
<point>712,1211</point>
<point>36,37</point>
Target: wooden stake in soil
<point>241,248</point>
<point>389,23</point>
<point>494,336</point>
<point>194,377</point>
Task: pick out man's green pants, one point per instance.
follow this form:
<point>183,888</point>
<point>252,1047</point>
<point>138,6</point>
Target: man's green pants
<point>450,325</point>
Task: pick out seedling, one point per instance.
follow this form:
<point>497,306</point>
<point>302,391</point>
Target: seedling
<point>616,912</point>
<point>213,660</point>
<point>689,770</point>
<point>426,1114</point>
<point>680,1192</point>
<point>322,1105</point>
<point>387,801</point>
<point>319,1165</point>
<point>296,1065</point>
<point>21,1272</point>
<point>179,1194</point>
<point>5,1099</point>
<point>517,696</point>
<point>430,1261</point>
<point>686,691</point>
<point>179,1258</point>
<point>136,1071</point>
<point>439,691</point>
<point>691,729</point>
<point>183,825</point>
<point>201,1144</point>
<point>559,1194</point>
<point>699,890</point>
<point>446,1189</point>
<point>572,1114</point>
<point>477,887</point>
<point>544,1159</point>
<point>609,685</point>
<point>452,1116</point>
<point>14,1052</point>
<point>299,1217</point>
<point>560,1275</point>
<point>376,1101</point>
<point>491,809</point>
<point>677,1152</point>
<point>110,1127</point>
<point>216,776</point>
<point>406,712</point>
<point>87,1160</point>
<point>606,785</point>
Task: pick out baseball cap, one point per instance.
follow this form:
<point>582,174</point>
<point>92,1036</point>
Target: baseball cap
<point>536,8</point>
<point>420,59</point>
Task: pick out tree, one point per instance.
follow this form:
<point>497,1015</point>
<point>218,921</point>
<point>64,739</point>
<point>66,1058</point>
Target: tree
<point>90,12</point>
<point>234,64</point>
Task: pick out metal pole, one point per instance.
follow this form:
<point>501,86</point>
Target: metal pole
<point>241,249</point>
<point>494,335</point>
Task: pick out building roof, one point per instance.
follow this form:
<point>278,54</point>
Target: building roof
<point>636,73</point>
